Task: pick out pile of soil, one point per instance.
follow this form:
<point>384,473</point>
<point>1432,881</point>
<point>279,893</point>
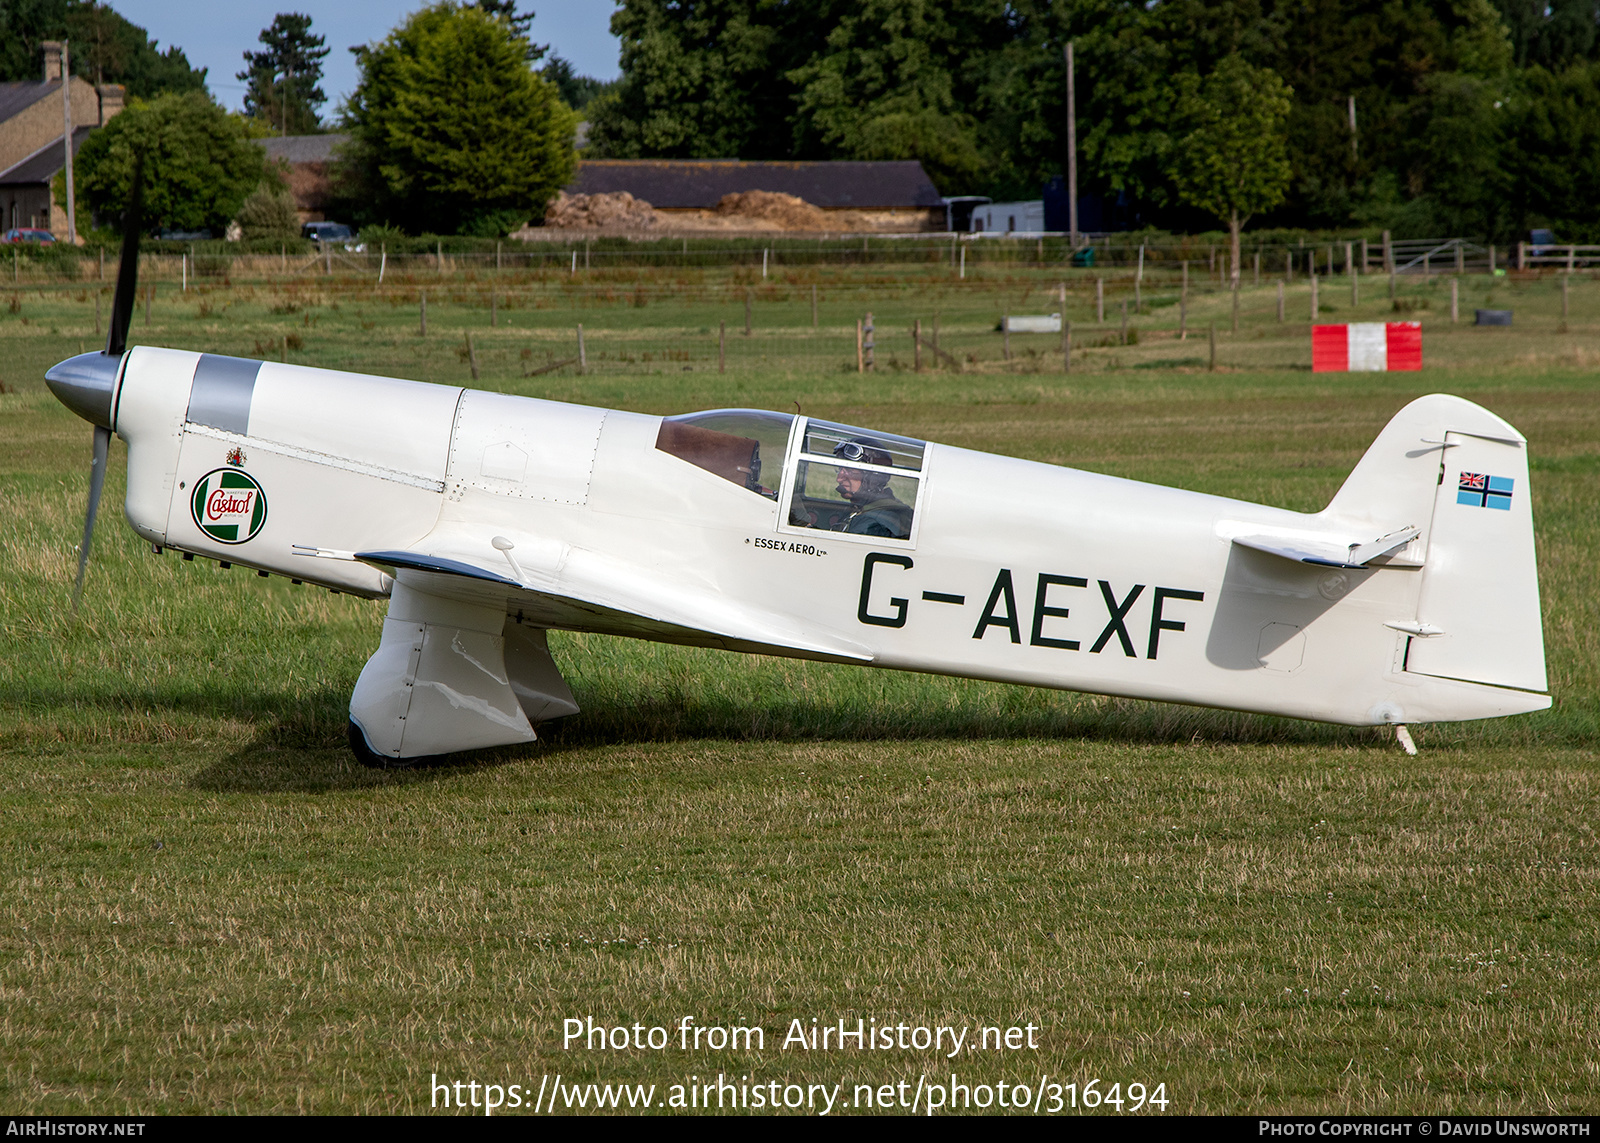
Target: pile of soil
<point>620,211</point>
<point>783,211</point>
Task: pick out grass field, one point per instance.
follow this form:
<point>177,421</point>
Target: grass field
<point>209,906</point>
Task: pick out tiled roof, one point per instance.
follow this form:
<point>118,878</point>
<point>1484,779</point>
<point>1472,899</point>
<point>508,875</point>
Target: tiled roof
<point>42,165</point>
<point>683,184</point>
<point>303,148</point>
<point>15,97</point>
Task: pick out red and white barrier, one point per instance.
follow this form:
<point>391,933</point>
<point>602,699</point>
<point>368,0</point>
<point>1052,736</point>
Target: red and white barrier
<point>1367,347</point>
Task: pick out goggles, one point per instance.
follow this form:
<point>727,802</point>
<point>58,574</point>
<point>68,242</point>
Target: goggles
<point>856,451</point>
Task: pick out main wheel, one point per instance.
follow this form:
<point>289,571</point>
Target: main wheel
<point>366,755</point>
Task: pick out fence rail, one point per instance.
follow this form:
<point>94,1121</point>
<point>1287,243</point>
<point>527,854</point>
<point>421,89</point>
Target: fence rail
<point>1569,258</point>
<point>960,256</point>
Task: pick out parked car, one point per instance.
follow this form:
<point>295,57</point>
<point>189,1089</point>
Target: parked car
<point>21,234</point>
<point>1541,241</point>
<point>183,235</point>
<point>326,232</point>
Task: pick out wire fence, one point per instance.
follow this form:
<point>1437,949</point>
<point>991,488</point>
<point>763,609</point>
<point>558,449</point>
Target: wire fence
<point>962,256</point>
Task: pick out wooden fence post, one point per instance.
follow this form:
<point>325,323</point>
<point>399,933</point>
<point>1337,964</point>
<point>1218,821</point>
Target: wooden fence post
<point>1388,253</point>
<point>1100,300</point>
<point>1313,297</point>
<point>472,355</point>
<point>1236,305</point>
<point>1280,299</point>
<point>1066,345</point>
<point>1183,305</point>
<point>1455,300</point>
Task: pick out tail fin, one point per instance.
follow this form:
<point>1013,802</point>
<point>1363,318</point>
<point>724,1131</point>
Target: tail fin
<point>1460,474</point>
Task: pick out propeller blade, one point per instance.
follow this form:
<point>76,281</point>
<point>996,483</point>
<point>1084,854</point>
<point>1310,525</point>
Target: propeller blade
<point>97,483</point>
<point>128,273</point>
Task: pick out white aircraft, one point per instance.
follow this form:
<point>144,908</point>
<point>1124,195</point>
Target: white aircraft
<point>487,520</point>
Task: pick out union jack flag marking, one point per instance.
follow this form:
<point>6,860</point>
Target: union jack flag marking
<point>1480,490</point>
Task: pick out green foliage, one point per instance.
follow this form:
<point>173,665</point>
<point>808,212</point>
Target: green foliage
<point>1234,161</point>
<point>577,91</point>
<point>976,90</point>
<point>1551,33</point>
<point>891,83</point>
<point>452,130</point>
<point>376,234</point>
<point>1555,150</point>
<point>199,163</point>
<point>105,47</point>
<point>705,79</point>
<point>269,212</point>
<point>283,80</point>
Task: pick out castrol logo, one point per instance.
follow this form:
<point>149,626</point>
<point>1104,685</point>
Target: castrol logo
<point>229,505</point>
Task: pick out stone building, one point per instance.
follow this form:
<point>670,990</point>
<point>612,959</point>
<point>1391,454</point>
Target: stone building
<point>32,123</point>
<point>308,160</point>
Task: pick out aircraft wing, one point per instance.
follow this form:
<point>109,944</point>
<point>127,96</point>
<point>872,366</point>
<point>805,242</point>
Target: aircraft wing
<point>588,592</point>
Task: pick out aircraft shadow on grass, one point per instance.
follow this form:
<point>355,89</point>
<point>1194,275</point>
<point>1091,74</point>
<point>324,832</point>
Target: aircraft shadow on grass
<point>300,746</point>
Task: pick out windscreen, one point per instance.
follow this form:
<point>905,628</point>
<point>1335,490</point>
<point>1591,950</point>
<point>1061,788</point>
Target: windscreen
<point>743,446</point>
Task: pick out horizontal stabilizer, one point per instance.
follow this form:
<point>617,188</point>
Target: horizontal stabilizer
<point>1329,551</point>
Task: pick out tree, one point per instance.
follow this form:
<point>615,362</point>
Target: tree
<point>520,23</point>
<point>452,131</point>
<point>1555,151</point>
<point>199,163</point>
<point>577,91</point>
<point>893,82</point>
<point>106,48</point>
<point>705,79</point>
<point>283,79</point>
<point>269,212</point>
<point>1234,161</point>
<point>1551,33</point>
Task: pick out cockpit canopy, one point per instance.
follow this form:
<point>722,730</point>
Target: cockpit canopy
<point>840,478</point>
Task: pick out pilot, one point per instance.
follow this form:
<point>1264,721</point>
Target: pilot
<point>878,512</point>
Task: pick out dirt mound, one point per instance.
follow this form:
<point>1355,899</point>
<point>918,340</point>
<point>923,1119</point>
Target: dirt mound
<point>783,210</point>
<point>619,211</point>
